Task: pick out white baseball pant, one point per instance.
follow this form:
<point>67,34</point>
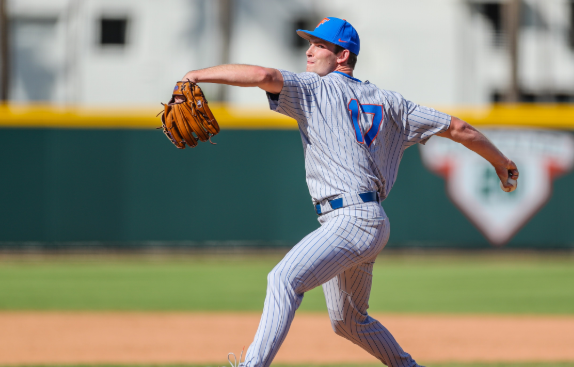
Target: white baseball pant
<point>339,255</point>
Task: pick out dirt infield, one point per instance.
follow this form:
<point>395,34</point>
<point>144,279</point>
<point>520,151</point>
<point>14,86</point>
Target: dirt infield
<point>82,337</point>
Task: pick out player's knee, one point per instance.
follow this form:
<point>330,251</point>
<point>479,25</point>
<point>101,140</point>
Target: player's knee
<point>341,328</point>
<point>272,276</point>
<point>276,277</point>
<point>279,278</point>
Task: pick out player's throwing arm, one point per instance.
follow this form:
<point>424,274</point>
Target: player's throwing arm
<point>462,132</point>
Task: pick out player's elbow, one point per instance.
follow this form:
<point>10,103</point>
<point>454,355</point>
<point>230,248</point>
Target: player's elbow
<point>261,75</point>
<point>271,80</point>
<point>461,131</point>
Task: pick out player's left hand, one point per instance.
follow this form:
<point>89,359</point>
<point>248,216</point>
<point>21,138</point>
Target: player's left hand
<point>187,118</point>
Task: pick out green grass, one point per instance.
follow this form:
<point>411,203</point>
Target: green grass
<point>454,284</point>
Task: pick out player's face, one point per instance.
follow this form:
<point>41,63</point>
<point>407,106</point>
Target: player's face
<point>321,57</point>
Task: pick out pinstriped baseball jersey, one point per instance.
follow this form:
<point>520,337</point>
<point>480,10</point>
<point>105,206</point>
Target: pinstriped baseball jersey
<point>354,134</point>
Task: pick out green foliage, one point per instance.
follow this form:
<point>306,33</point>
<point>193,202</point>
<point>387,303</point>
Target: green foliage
<point>459,284</point>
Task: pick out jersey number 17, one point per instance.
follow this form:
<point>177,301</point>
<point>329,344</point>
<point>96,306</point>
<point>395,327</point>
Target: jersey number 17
<point>376,110</point>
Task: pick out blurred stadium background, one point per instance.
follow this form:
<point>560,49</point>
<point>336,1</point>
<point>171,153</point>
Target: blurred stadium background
<point>89,219</point>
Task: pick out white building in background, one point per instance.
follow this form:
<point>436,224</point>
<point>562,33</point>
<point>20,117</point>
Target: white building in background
<point>436,52</point>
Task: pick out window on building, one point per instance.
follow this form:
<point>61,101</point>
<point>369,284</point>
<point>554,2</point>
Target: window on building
<point>34,76</point>
<point>113,31</point>
<point>493,13</point>
<point>565,98</point>
<point>532,17</point>
<point>536,97</point>
<point>307,23</point>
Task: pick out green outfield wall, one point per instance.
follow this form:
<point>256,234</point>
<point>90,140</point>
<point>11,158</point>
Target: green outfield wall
<point>131,187</point>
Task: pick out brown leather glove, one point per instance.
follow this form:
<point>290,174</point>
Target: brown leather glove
<point>187,117</point>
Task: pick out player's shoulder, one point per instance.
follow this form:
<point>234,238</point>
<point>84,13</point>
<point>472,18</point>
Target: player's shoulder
<point>391,97</point>
<point>291,76</point>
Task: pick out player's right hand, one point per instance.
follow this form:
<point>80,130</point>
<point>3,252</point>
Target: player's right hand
<point>506,171</point>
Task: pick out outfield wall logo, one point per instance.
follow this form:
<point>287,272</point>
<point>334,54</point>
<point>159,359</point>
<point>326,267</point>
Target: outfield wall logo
<point>472,183</point>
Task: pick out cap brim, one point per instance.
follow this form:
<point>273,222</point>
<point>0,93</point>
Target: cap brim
<point>305,34</point>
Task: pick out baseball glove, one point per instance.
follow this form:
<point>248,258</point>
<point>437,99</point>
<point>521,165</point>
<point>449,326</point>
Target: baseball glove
<point>187,118</point>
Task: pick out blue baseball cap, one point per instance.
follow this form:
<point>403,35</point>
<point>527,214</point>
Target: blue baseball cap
<point>337,31</point>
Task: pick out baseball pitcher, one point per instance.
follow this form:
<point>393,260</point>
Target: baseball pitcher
<point>354,135</point>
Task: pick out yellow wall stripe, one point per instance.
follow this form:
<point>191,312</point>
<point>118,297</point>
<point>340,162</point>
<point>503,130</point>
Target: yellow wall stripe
<point>520,115</point>
<point>231,117</point>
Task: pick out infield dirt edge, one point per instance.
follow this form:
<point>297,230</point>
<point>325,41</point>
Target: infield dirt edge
<point>196,338</point>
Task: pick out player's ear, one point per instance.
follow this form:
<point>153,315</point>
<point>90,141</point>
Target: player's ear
<point>343,56</point>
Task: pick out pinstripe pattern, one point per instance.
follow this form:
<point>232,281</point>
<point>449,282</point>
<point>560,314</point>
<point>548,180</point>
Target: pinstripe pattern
<point>340,254</point>
<point>335,163</point>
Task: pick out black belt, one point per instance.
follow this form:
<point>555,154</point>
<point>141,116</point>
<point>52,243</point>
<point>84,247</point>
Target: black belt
<point>367,197</point>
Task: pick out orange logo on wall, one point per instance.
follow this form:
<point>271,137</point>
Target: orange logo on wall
<point>473,185</point>
<point>325,20</point>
